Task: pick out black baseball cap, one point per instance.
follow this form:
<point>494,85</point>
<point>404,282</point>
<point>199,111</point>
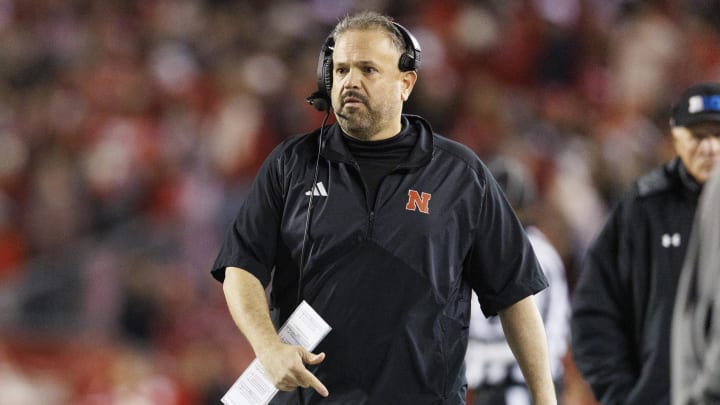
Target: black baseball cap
<point>698,103</point>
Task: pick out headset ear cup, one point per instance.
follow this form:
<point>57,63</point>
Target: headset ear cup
<point>407,63</point>
<point>320,99</point>
<point>417,60</point>
<point>328,77</point>
<point>409,60</point>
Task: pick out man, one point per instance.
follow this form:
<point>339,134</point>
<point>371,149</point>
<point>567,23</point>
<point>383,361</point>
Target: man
<point>623,303</point>
<point>493,375</point>
<point>696,322</point>
<point>403,224</point>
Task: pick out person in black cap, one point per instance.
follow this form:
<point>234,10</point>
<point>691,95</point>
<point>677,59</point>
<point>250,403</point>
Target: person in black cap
<point>622,306</point>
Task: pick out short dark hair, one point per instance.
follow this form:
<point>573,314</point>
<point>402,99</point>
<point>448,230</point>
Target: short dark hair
<point>367,20</point>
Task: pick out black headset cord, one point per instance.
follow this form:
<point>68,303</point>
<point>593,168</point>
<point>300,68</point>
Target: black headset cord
<point>313,187</point>
<point>308,215</point>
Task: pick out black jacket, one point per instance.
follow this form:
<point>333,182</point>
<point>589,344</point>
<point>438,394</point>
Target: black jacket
<point>393,279</point>
<point>623,304</point>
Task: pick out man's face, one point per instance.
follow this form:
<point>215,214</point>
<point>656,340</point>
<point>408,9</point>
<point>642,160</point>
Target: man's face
<point>698,146</point>
<point>368,87</point>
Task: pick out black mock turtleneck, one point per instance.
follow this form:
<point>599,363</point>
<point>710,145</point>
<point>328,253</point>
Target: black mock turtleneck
<point>378,158</point>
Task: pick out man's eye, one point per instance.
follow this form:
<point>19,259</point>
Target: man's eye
<point>703,135</point>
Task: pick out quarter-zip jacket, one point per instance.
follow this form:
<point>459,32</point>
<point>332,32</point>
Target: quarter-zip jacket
<point>392,279</point>
<point>623,304</point>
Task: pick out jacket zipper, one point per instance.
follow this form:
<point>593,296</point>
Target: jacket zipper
<point>368,204</point>
<point>371,223</point>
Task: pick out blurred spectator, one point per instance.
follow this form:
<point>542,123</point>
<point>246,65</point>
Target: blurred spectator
<point>493,375</point>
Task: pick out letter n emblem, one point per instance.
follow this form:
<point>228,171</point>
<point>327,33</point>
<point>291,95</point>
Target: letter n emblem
<point>417,201</point>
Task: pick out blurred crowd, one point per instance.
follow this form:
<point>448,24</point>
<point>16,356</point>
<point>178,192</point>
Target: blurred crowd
<point>131,129</point>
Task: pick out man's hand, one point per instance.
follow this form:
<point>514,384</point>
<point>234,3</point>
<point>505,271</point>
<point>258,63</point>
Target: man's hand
<point>285,366</point>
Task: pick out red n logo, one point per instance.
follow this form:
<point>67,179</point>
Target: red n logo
<point>418,202</point>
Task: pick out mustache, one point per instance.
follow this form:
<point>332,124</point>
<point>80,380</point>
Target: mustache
<point>353,94</point>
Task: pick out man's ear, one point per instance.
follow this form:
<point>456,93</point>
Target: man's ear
<point>408,82</point>
<point>677,133</point>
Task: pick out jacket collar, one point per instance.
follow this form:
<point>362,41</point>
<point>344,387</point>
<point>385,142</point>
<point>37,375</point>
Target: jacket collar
<point>334,148</point>
<point>690,185</point>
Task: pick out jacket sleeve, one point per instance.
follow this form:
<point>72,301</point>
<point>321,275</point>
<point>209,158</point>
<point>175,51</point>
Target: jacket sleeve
<point>601,319</point>
<point>250,242</point>
<point>501,269</point>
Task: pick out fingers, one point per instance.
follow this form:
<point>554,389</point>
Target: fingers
<point>299,376</point>
<point>307,378</point>
<point>312,358</point>
<point>313,382</point>
<point>304,379</point>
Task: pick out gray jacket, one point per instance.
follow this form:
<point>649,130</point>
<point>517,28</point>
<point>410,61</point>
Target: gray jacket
<point>695,342</point>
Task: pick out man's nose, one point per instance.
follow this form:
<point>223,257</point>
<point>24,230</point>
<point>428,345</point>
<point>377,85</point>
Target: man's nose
<point>351,79</point>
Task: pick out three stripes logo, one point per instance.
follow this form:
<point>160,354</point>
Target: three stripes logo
<point>318,190</point>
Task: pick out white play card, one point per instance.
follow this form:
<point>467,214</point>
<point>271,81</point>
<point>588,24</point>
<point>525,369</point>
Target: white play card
<point>304,328</point>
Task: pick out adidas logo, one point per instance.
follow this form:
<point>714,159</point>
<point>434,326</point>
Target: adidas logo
<point>318,190</point>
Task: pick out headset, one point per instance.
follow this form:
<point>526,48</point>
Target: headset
<point>321,100</point>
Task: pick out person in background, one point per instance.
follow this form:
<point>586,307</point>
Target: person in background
<point>405,223</point>
<point>695,340</point>
<point>494,376</point>
<point>622,306</point>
